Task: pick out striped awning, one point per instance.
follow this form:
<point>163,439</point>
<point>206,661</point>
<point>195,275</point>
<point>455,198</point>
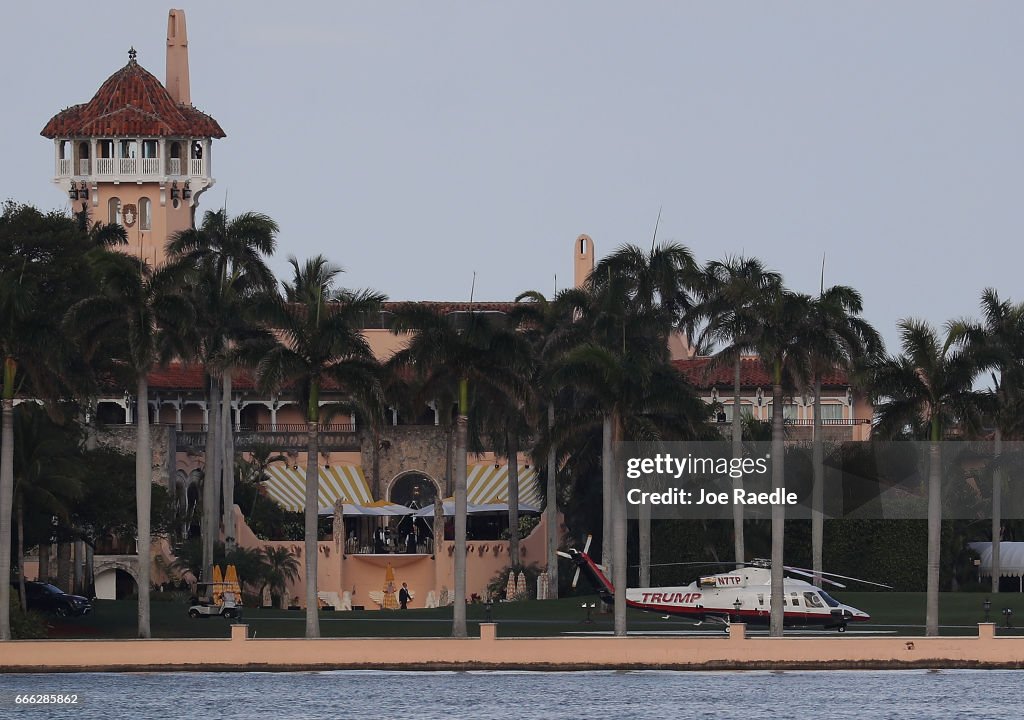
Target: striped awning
<point>287,486</point>
<point>488,484</point>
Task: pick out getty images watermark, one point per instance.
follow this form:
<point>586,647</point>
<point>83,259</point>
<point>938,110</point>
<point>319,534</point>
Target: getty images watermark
<point>697,470</point>
<point>857,480</point>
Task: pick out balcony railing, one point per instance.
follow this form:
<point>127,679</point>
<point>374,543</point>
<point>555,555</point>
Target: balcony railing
<point>279,427</point>
<point>131,168</point>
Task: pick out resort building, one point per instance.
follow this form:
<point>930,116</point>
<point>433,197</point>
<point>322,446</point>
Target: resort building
<point>139,154</point>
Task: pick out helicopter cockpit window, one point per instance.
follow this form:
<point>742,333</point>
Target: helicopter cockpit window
<point>813,600</point>
<point>760,598</point>
<point>832,602</point>
<point>795,600</point>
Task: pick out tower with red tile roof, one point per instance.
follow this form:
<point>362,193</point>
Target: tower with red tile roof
<point>138,153</point>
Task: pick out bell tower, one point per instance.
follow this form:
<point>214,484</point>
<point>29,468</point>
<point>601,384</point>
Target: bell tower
<point>138,153</point>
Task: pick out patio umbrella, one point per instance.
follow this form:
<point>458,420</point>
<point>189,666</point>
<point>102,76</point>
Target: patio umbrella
<point>216,588</point>
<point>231,583</point>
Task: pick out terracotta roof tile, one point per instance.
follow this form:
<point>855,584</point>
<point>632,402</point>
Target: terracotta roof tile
<point>752,374</point>
<point>132,102</point>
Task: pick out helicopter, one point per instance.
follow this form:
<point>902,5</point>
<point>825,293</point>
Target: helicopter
<point>739,595</point>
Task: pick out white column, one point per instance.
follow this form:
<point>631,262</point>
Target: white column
<point>273,415</point>
<point>161,151</point>
<point>177,414</point>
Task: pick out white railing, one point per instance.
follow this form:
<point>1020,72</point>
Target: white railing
<point>127,166</point>
<point>63,167</point>
<point>131,167</point>
<point>104,166</point>
<point>196,167</point>
<point>174,166</point>
<point>83,167</point>
<point>150,166</point>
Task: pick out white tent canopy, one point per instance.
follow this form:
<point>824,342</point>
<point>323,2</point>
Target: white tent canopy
<point>474,508</point>
<point>1011,558</point>
<point>377,509</point>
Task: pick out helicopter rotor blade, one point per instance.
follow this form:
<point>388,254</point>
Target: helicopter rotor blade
<point>799,571</point>
<point>566,555</point>
<point>845,577</point>
<point>586,545</point>
<point>575,578</point>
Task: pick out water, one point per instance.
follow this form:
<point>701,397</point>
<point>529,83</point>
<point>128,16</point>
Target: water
<point>356,695</point>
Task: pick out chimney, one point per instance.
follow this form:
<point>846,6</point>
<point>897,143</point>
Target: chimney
<point>177,58</point>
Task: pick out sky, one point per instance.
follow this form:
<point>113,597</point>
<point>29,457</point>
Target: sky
<point>416,144</point>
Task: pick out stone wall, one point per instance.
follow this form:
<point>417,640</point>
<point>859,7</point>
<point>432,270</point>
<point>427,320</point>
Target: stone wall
<point>122,439</point>
<point>409,448</point>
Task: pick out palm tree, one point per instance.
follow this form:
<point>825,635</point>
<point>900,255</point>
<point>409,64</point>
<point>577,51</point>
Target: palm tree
<point>782,343</point>
<point>457,354</point>
<point>279,568</point>
<point>549,327</point>
<point>228,257</point>
<point>319,341</point>
<point>44,466</point>
<point>44,263</point>
<point>729,294</point>
<point>997,344</point>
<point>926,389</point>
<point>146,311</point>
<point>837,337</point>
<point>254,470</point>
<point>631,304</point>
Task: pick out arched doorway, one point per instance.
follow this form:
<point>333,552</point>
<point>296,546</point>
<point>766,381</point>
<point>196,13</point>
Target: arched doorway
<point>115,583</point>
<point>417,490</point>
<point>413,489</point>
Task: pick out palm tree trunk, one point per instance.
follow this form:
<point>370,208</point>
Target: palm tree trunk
<point>606,495</point>
<point>143,494</point>
<point>934,535</point>
<point>63,562</point>
<point>552,510</point>
<point>818,486</point>
<point>211,477</point>
<point>513,500</point>
<point>737,452</point>
<point>228,464</point>
<point>644,531</point>
<point>6,496</point>
<point>44,562</point>
<point>461,442</point>
<point>312,510</point>
<point>777,620</point>
<point>21,555</point>
<point>618,496</point>
<point>997,521</point>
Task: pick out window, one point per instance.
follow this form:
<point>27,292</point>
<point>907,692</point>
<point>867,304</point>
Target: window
<point>812,600</point>
<point>145,210</point>
<point>833,412</point>
<point>114,211</point>
<point>829,600</point>
<point>789,412</point>
<point>149,148</point>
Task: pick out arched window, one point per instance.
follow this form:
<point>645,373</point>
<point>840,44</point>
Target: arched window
<point>145,214</point>
<point>114,210</point>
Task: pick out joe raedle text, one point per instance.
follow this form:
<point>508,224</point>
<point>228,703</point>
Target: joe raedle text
<point>702,496</point>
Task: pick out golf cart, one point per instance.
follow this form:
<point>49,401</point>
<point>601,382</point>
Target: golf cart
<point>217,599</point>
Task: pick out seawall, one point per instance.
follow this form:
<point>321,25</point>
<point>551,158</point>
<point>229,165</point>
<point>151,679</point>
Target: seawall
<point>737,651</point>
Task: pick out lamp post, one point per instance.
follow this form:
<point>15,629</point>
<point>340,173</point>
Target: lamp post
<point>588,608</point>
<point>737,605</point>
<point>487,610</point>
<point>1008,613</point>
<point>987,605</point>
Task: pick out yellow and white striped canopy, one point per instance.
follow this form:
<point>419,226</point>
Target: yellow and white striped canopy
<point>287,486</point>
<point>487,484</point>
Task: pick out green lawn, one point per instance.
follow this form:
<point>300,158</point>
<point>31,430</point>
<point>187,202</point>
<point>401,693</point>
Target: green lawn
<point>900,613</point>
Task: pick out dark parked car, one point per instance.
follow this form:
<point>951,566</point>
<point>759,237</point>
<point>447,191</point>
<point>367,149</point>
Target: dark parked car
<point>50,598</point>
